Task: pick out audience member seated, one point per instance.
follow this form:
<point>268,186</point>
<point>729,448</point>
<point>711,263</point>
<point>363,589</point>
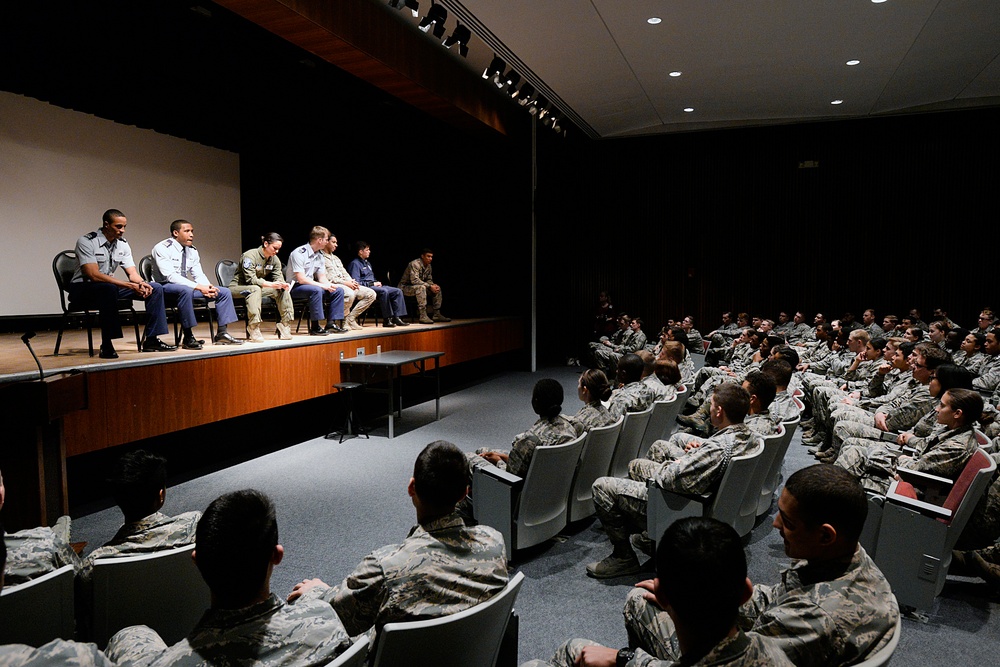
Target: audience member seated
<point>621,503</point>
<point>661,391</point>
<point>592,388</point>
<point>832,606</point>
<point>632,395</point>
<point>701,582</point>
<point>783,408</point>
<point>943,453</point>
<point>552,428</point>
<point>139,486</point>
<point>34,552</point>
<point>442,567</point>
<point>60,652</point>
<point>236,549</point>
<point>607,353</point>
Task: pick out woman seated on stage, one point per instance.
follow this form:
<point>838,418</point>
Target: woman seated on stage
<point>259,274</point>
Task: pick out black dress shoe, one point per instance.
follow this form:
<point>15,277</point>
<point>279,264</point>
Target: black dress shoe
<point>108,352</point>
<point>192,344</point>
<point>154,344</point>
<point>333,328</point>
<point>318,331</point>
<point>400,323</point>
<point>226,338</point>
<point>389,324</point>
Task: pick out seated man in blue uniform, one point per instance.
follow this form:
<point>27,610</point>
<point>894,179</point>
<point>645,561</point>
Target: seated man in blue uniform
<point>390,299</point>
<point>326,300</point>
<point>98,256</point>
<point>177,268</point>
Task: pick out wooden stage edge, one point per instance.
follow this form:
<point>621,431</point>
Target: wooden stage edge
<point>160,393</point>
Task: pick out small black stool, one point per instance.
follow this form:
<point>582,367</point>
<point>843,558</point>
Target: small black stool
<point>350,426</point>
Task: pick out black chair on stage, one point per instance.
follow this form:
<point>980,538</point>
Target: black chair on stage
<point>63,267</point>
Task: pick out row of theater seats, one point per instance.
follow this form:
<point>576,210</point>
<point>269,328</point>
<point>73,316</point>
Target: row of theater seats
<point>165,591</point>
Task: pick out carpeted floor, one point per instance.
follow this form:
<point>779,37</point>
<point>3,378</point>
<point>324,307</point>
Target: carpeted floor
<point>336,502</point>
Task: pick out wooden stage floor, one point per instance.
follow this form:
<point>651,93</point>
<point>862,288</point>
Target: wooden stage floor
<point>141,395</point>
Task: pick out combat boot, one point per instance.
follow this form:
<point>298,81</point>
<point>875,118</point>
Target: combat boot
<point>423,317</point>
<point>284,331</point>
<point>254,334</point>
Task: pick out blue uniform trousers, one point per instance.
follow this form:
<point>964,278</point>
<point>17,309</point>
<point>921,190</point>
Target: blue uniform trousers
<point>224,311</point>
<point>103,297</point>
<point>322,304</point>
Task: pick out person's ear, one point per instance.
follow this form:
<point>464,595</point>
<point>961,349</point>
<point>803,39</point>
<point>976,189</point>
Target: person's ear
<point>828,534</point>
<point>277,554</point>
<point>747,592</point>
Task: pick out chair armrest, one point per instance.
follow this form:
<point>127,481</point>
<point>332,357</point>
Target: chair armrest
<point>921,506</point>
<point>495,494</point>
<point>923,478</point>
<point>652,487</point>
<point>501,476</point>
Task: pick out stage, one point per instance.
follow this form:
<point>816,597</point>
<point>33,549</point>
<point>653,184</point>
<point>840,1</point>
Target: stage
<point>88,404</point>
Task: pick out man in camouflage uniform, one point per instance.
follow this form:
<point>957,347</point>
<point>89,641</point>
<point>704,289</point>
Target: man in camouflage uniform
<point>633,395</point>
<point>607,353</point>
<point>621,503</point>
<point>139,486</point>
<point>355,294</point>
<point>442,567</point>
<point>695,340</point>
<point>762,390</point>
<point>701,607</point>
<point>989,373</point>
<point>800,331</point>
<point>832,607</point>
<point>34,552</point>
<point>236,549</point>
<point>871,325</point>
<point>900,414</point>
<point>417,281</point>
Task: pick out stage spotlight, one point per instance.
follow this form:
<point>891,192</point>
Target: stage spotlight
<point>537,105</point>
<point>511,81</point>
<point>412,4</point>
<point>496,68</point>
<point>436,16</point>
<point>527,90</point>
<point>460,35</point>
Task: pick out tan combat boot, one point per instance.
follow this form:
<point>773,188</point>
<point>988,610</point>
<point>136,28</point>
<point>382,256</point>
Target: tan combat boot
<point>284,331</point>
<point>253,331</point>
<point>423,317</point>
<point>351,322</point>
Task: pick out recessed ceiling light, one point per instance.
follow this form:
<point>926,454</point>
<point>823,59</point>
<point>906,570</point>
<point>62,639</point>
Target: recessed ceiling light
<point>653,20</point>
<point>877,2</point>
<point>837,102</point>
<point>675,74</point>
<point>688,109</point>
<point>853,62</point>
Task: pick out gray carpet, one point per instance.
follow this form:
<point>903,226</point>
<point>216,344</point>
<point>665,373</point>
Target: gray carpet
<point>336,502</point>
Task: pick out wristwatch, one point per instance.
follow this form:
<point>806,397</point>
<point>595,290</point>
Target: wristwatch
<point>625,656</point>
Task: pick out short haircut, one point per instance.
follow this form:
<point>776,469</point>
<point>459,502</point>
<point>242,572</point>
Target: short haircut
<point>860,334</point>
<point>318,232</point>
<point>892,318</point>
<point>235,541</point>
<point>110,215</point>
<point>635,320</point>
<point>940,325</point>
<point>933,355</point>
<point>906,347</point>
<point>272,237</point>
<point>789,354</point>
<point>763,387</point>
<point>826,493</point>
<point>779,369</point>
<point>176,225</point>
<point>825,326</point>
<point>980,339</point>
<point>137,480</point>
<point>596,383</point>
<point>667,371</point>
<point>877,343</point>
<point>701,570</point>
<point>969,402</point>
<point>950,376</point>
<point>441,474</point>
<point>630,366</point>
<point>733,399</point>
<point>360,245</point>
<point>426,251</point>
<point>680,336</point>
<point>547,397</point>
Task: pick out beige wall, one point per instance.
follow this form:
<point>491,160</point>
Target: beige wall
<point>61,169</point>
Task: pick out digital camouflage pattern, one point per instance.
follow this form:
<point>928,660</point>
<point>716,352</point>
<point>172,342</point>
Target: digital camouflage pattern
<point>35,552</point>
<point>59,652</point>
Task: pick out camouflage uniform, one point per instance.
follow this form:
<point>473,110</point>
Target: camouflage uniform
<point>783,407</point>
<point>902,413</point>
<point>591,416</point>
<point>269,633</point>
<point>360,298</point>
<point>875,331</point>
<point>687,369</point>
<point>633,397</point>
<point>661,392</point>
<point>943,454</point>
<point>621,503</point>
<point>695,341</point>
<point>800,333</point>
<point>543,433</point>
<point>415,282</point>
<point>740,650</point>
<point>441,568</point>
<point>34,552</point>
<point>57,652</point>
<point>989,374</point>
<point>607,357</point>
<point>973,364</point>
<point>252,270</point>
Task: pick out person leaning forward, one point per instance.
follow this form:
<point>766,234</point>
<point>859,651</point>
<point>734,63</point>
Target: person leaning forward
<point>417,281</point>
<point>98,256</point>
<point>258,274</point>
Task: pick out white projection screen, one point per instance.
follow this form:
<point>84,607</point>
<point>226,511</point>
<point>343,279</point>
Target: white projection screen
<point>61,169</point>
